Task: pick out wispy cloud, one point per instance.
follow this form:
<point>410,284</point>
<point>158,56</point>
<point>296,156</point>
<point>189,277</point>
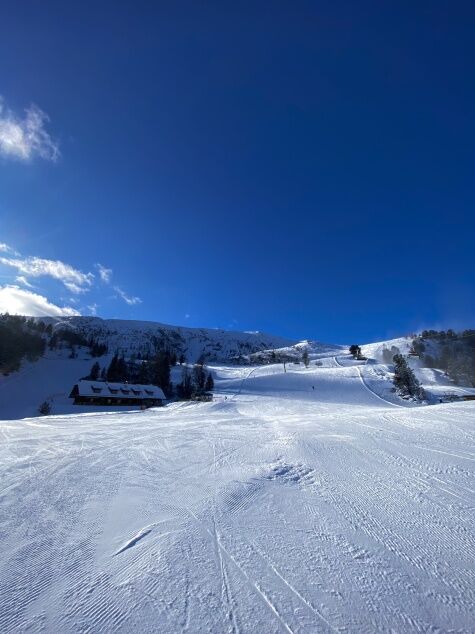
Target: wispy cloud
<point>24,138</point>
<point>127,299</point>
<point>74,280</point>
<point>18,301</point>
<point>5,248</point>
<point>104,273</point>
<point>21,279</point>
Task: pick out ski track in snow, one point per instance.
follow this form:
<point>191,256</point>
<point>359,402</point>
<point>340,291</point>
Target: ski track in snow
<point>305,502</point>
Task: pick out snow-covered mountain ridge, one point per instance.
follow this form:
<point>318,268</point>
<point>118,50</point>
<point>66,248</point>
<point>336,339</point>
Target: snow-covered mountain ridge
<point>145,337</point>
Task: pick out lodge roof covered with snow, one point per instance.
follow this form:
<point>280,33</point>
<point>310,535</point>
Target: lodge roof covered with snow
<point>119,390</point>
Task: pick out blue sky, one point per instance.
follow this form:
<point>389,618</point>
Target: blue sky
<point>304,169</point>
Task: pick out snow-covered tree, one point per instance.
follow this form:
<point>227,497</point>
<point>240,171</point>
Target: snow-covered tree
<point>405,380</point>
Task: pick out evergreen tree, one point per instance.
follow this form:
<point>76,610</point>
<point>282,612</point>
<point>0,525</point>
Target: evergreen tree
<point>117,372</point>
<point>41,326</point>
<point>143,376</point>
<point>199,377</point>
<point>184,389</point>
<point>95,371</point>
<point>460,369</point>
<point>209,385</point>
<point>445,359</point>
<point>122,370</point>
<point>418,346</point>
<point>182,359</point>
<point>18,339</point>
<point>45,408</point>
<point>53,342</point>
<point>97,349</point>
<point>112,369</point>
<point>405,380</point>
<point>355,350</point>
<point>305,358</point>
<point>160,371</point>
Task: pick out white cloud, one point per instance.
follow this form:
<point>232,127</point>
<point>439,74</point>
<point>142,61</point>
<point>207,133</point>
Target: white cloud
<point>5,248</point>
<point>129,300</point>
<point>104,273</point>
<point>24,138</point>
<point>21,279</point>
<point>74,280</point>
<point>75,288</point>
<point>18,301</point>
<point>93,309</point>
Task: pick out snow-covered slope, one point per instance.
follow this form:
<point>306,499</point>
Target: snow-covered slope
<point>144,337</point>
<point>375,350</point>
<point>294,352</point>
<point>53,376</point>
<point>435,383</point>
<point>51,379</point>
<point>296,502</point>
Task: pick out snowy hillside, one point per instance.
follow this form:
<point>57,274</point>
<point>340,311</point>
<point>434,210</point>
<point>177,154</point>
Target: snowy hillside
<point>294,352</point>
<point>53,376</point>
<point>434,381</point>
<point>297,501</point>
<point>144,337</point>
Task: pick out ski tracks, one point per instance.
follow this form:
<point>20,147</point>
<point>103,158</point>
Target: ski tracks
<point>251,581</point>
<point>371,391</point>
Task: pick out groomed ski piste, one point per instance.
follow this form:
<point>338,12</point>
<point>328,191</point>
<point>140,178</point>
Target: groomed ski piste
<point>297,501</point>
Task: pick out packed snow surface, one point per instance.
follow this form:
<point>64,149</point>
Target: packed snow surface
<point>295,502</point>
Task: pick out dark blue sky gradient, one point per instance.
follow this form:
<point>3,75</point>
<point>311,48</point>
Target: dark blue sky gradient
<point>300,168</point>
